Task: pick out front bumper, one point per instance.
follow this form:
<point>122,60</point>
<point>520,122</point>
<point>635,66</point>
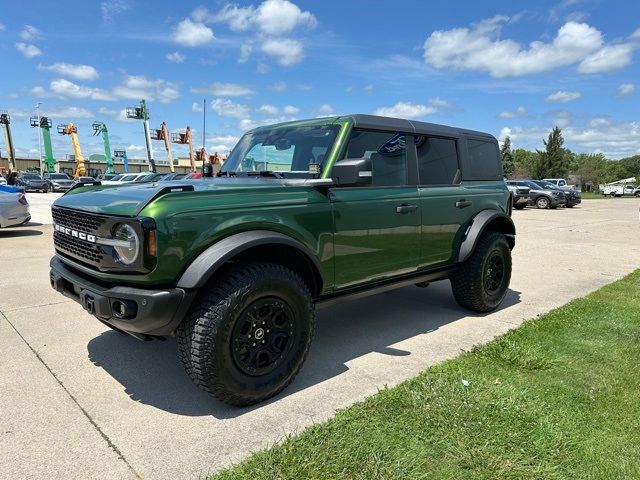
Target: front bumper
<point>59,188</point>
<point>149,312</point>
<point>520,199</point>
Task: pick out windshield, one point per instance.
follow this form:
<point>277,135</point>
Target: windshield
<point>59,176</point>
<point>534,186</point>
<point>31,176</point>
<point>117,177</point>
<point>289,151</point>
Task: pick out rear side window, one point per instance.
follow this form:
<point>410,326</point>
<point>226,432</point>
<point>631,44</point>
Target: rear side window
<point>484,161</point>
<point>388,154</point>
<point>437,160</point>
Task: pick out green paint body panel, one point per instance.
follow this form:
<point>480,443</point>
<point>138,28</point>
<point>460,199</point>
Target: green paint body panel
<point>355,233</point>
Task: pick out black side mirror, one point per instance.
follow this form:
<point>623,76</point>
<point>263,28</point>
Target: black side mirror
<point>352,171</point>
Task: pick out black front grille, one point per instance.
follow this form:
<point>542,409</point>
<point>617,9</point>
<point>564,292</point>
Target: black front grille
<point>83,222</point>
<point>73,246</point>
<point>77,248</point>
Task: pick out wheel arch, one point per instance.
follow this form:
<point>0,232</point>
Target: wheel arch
<point>257,245</point>
<point>486,221</point>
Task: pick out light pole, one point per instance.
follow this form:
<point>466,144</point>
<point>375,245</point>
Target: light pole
<point>39,139</point>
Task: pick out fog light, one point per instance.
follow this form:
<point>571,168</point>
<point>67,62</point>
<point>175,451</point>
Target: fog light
<point>124,308</point>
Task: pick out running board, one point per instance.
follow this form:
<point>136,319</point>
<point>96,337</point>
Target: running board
<point>380,287</point>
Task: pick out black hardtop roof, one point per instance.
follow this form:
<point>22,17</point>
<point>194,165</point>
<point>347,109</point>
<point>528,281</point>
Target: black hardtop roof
<point>376,122</point>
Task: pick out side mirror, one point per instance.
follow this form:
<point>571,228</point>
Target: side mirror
<point>352,171</point>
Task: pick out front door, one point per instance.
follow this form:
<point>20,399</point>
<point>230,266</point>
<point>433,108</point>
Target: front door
<point>376,226</point>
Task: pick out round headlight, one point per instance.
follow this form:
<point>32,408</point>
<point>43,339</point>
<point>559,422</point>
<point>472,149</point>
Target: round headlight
<point>128,244</point>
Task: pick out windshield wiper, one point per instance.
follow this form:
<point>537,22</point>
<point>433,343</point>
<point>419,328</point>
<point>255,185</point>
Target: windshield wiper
<point>265,173</point>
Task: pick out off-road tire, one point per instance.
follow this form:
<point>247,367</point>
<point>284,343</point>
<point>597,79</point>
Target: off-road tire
<point>468,281</point>
<point>542,202</point>
<point>205,336</point>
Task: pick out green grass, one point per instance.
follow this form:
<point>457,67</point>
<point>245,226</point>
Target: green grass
<point>599,196</point>
<point>557,398</point>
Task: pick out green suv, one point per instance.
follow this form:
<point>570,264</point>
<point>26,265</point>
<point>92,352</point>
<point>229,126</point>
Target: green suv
<point>301,214</point>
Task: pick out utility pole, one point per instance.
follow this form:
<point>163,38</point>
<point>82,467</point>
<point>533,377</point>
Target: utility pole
<point>39,139</point>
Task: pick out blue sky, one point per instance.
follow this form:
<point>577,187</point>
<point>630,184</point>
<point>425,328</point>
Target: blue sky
<point>502,67</point>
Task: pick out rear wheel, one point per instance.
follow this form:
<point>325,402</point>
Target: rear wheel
<point>481,283</point>
<point>248,334</point>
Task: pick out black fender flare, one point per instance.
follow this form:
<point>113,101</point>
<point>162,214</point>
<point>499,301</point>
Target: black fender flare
<point>479,224</point>
<point>210,260</point>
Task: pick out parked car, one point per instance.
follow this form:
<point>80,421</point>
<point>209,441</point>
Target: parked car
<point>123,178</point>
<point>636,192</point>
<point>106,176</point>
<point>81,180</point>
<point>3,181</point>
<point>572,197</point>
<point>540,196</point>
<point>519,195</point>
<point>150,177</point>
<point>14,208</point>
<point>32,182</point>
<point>562,183</point>
<point>192,176</point>
<point>173,176</point>
<point>58,182</point>
<point>235,267</point>
<point>619,190</point>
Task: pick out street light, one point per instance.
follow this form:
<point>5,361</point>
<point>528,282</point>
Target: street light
<point>39,139</point>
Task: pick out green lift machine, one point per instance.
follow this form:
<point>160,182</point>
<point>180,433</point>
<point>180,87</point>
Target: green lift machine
<point>44,123</point>
<point>100,128</point>
<point>141,113</point>
<point>5,121</point>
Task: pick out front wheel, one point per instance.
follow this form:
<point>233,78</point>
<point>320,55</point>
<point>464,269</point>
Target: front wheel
<point>248,334</point>
<point>480,283</point>
<point>542,202</point>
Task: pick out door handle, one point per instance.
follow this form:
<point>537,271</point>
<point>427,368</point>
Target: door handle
<point>463,203</point>
<point>404,208</point>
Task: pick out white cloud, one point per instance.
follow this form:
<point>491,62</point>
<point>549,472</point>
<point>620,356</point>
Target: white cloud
<point>2,27</point>
<point>111,8</point>
<point>221,143</point>
<point>79,71</point>
<point>138,86</point>
<point>39,92</point>
<point>278,87</point>
<point>325,110</point>
<point>606,59</point>
<point>196,107</point>
<point>268,109</point>
<point>406,110</point>
<point>626,89</point>
<point>271,17</point>
<point>277,17</point>
<point>305,87</point>
<point>368,89</point>
<point>225,90</point>
<point>290,110</point>
<point>226,108</point>
<point>480,48</point>
<point>192,34</point>
<point>286,51</point>
<point>175,57</point>
<point>562,96</point>
<point>30,33</point>
<point>636,34</point>
<point>66,89</point>
<point>28,50</point>
<point>245,52</point>
<point>69,112</point>
<point>518,112</point>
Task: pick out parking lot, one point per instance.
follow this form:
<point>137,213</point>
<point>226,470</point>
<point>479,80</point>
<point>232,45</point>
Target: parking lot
<point>81,401</point>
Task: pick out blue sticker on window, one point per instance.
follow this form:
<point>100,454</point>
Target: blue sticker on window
<point>396,145</point>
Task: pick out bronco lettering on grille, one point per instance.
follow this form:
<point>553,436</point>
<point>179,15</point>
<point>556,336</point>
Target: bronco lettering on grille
<point>75,233</point>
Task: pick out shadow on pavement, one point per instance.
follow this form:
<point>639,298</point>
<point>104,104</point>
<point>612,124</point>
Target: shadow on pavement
<point>151,372</point>
<point>18,232</point>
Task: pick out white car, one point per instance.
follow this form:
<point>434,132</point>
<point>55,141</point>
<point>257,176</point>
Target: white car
<point>123,178</point>
<point>14,209</point>
<point>3,181</point>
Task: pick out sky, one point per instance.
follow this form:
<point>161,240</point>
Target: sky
<point>507,68</point>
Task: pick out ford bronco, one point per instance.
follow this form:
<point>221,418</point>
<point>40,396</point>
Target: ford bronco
<point>302,214</point>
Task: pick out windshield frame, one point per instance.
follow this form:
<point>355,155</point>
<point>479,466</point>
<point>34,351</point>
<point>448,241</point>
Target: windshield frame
<point>245,144</point>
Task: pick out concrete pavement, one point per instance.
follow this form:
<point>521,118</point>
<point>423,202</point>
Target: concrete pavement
<point>81,401</point>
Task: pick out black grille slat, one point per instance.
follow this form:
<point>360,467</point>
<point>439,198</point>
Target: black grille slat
<point>77,220</point>
<point>79,248</point>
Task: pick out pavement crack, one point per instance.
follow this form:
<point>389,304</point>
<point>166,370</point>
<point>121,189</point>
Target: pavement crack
<point>104,436</point>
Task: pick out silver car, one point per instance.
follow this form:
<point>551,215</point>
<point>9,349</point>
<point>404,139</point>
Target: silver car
<point>58,181</point>
<point>14,209</point>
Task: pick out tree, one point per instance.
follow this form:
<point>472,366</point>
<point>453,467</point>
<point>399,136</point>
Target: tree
<point>553,161</point>
<point>508,165</point>
<point>524,161</point>
<point>589,169</point>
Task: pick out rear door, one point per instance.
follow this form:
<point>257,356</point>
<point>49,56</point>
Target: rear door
<point>377,226</point>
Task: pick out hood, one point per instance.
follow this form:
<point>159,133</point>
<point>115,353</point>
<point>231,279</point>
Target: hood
<point>129,199</point>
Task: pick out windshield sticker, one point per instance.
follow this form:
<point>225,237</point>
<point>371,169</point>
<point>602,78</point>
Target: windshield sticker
<point>396,145</point>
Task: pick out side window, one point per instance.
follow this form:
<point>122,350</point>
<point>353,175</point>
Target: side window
<point>484,160</point>
<point>387,152</point>
<point>437,160</point>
